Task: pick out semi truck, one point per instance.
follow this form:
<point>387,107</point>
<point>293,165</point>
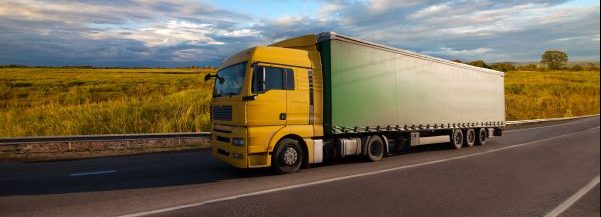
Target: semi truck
<point>322,97</point>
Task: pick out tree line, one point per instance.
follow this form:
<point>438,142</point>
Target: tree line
<point>550,60</point>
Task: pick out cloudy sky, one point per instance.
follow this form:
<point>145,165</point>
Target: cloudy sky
<point>199,32</point>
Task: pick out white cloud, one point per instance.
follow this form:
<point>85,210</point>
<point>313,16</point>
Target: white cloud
<point>466,54</point>
<point>381,5</point>
<point>188,54</point>
<point>434,10</point>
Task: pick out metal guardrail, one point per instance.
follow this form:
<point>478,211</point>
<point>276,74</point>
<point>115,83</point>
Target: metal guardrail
<point>107,137</point>
<point>116,137</point>
<point>534,121</point>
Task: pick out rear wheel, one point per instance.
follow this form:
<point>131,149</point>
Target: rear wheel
<point>482,136</point>
<point>287,157</point>
<point>375,148</point>
<point>470,138</point>
<point>456,139</point>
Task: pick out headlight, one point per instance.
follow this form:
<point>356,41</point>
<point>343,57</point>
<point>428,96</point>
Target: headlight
<point>238,142</point>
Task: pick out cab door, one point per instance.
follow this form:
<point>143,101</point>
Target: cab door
<point>268,106</point>
<point>297,96</point>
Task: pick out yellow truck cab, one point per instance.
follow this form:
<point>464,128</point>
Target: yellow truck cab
<point>263,96</point>
<point>327,96</point>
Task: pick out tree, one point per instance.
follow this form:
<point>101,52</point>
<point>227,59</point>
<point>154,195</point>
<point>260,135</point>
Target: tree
<point>554,59</point>
<point>479,63</point>
<point>504,67</point>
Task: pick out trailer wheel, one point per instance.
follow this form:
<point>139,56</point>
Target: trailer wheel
<point>457,139</point>
<point>470,138</point>
<point>287,157</point>
<point>482,136</point>
<point>375,148</point>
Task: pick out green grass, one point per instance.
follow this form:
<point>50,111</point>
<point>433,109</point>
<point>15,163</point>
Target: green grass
<point>68,101</point>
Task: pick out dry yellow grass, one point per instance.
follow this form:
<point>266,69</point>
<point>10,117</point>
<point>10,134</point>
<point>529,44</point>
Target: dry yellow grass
<point>531,95</point>
<point>54,101</point>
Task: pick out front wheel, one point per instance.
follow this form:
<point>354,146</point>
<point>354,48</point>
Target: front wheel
<point>287,157</point>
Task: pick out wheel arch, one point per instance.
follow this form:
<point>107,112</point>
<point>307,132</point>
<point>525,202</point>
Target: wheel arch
<point>301,142</point>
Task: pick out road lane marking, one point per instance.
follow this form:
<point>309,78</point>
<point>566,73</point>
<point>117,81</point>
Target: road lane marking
<point>574,198</point>
<point>202,203</point>
<point>93,173</point>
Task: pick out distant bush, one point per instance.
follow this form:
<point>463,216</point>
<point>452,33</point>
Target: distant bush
<point>479,63</point>
<point>529,67</point>
<point>576,68</point>
<point>590,67</point>
<point>504,67</point>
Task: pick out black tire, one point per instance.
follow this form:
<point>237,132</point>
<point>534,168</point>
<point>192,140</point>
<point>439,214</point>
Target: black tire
<point>375,148</point>
<point>287,157</point>
<point>456,139</point>
<point>470,138</point>
<point>482,136</point>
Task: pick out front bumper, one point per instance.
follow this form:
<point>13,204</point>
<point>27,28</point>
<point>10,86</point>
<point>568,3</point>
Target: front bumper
<point>222,148</point>
<point>238,156</point>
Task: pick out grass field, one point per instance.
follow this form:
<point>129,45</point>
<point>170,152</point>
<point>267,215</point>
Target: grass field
<point>52,101</point>
<point>531,95</point>
<point>55,101</point>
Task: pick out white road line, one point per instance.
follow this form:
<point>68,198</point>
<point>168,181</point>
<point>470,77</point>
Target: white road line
<point>151,212</point>
<point>554,125</point>
<point>93,173</point>
<point>574,198</point>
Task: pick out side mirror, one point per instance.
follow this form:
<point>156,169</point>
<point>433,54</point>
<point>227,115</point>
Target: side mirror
<point>208,76</point>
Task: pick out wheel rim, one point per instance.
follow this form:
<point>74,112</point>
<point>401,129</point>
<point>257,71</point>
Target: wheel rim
<point>471,137</point>
<point>290,156</point>
<point>376,149</point>
<point>458,138</point>
<point>482,136</point>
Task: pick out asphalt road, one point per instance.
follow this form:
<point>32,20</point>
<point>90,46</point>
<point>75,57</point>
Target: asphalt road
<point>528,172</point>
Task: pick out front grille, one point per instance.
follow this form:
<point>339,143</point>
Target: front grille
<point>223,139</point>
<point>222,113</point>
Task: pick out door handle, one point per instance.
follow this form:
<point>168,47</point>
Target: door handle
<point>283,116</point>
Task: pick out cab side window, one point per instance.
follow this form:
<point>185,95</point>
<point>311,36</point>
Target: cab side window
<point>267,78</point>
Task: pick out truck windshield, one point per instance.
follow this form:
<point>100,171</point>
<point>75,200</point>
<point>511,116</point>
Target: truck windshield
<point>230,80</point>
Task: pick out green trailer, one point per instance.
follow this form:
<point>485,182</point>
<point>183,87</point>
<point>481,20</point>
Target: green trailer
<point>370,87</point>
